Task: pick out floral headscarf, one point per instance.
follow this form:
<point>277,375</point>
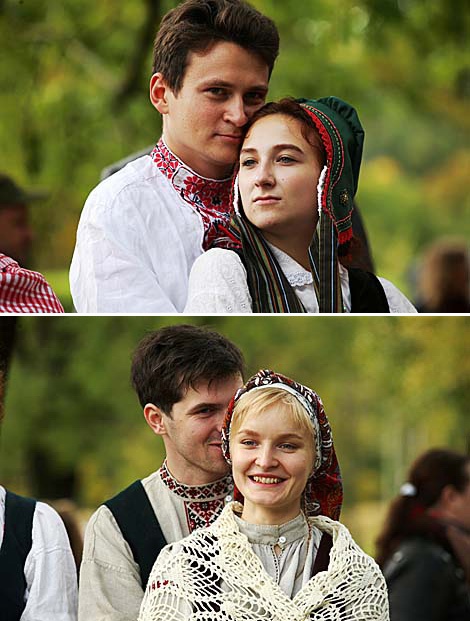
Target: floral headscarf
<point>324,490</point>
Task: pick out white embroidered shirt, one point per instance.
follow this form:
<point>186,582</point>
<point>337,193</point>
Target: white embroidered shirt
<point>140,231</point>
<point>110,584</point>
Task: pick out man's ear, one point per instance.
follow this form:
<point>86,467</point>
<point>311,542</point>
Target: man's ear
<point>155,419</point>
<point>159,90</point>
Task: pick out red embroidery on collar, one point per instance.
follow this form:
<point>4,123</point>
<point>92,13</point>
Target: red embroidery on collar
<point>209,197</point>
<point>211,491</point>
<point>202,503</point>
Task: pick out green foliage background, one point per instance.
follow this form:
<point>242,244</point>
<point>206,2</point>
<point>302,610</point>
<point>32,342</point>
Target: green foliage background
<point>73,99</point>
<point>392,387</point>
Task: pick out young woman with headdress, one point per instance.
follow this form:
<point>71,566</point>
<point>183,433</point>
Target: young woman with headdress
<point>424,547</point>
<point>291,230</point>
<point>276,552</point>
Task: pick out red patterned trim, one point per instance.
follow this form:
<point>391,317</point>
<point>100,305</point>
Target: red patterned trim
<point>343,225</point>
<point>209,197</point>
<point>202,503</point>
<point>201,493</point>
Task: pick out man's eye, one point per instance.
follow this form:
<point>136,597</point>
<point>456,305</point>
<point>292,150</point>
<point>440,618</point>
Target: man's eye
<point>248,443</point>
<point>217,91</point>
<point>288,446</point>
<point>255,98</point>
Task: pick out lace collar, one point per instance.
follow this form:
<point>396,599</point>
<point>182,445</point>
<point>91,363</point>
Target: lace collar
<point>209,197</point>
<point>196,493</point>
<point>296,275</point>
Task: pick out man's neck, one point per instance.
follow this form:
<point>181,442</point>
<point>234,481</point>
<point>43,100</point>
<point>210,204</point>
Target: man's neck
<point>203,169</point>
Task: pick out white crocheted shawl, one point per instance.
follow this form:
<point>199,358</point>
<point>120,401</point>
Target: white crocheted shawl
<point>214,575</point>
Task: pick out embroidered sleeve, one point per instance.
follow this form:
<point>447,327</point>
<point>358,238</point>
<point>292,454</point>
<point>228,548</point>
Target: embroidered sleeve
<point>218,284</point>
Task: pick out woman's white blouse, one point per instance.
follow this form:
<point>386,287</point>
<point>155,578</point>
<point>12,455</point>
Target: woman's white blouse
<point>218,284</point>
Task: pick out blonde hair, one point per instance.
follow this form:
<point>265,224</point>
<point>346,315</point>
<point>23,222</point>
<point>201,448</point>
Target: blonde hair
<point>258,400</point>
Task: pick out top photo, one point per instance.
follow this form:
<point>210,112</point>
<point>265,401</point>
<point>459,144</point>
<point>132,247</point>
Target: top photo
<point>230,157</point>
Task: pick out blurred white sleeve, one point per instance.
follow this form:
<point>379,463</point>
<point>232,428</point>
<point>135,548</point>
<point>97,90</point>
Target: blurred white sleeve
<point>50,571</point>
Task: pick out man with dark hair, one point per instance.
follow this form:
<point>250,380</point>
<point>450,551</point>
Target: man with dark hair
<point>142,228</point>
<point>184,377</point>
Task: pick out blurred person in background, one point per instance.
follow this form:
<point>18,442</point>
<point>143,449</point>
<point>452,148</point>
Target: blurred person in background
<point>424,547</point>
<point>21,290</point>
<point>67,509</point>
<point>38,578</point>
<point>16,233</point>
<point>444,277</point>
<point>184,377</point>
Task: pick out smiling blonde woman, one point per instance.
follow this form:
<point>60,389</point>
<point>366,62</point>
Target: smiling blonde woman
<point>277,551</point>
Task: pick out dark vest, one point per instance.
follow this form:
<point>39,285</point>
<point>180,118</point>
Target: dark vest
<point>367,293</point>
<point>16,545</point>
<point>139,526</point>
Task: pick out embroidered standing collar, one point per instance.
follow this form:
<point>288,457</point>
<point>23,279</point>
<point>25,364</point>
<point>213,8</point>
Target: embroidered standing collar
<point>209,197</point>
<point>197,493</point>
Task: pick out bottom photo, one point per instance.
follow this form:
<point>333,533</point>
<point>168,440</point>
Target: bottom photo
<point>234,468</point>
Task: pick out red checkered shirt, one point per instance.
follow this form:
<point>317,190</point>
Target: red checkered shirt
<point>24,291</point>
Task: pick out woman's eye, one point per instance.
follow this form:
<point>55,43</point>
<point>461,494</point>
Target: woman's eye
<point>289,447</point>
<point>248,163</point>
<point>248,442</point>
<point>286,159</point>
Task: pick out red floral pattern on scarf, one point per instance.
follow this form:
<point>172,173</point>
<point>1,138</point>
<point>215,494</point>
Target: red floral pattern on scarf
<point>209,197</point>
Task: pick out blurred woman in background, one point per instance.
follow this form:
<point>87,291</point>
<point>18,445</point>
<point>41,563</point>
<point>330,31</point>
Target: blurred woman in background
<point>424,548</point>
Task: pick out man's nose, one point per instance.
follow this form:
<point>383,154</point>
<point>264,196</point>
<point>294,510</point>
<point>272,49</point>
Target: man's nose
<point>219,420</point>
<point>236,112</point>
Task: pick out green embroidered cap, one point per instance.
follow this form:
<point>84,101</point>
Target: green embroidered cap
<point>343,138</point>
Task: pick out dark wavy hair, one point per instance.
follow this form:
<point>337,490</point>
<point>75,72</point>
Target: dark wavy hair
<point>195,25</point>
<point>407,515</point>
<point>170,360</point>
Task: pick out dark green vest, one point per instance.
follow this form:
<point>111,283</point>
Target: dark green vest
<point>139,526</point>
<point>16,545</point>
